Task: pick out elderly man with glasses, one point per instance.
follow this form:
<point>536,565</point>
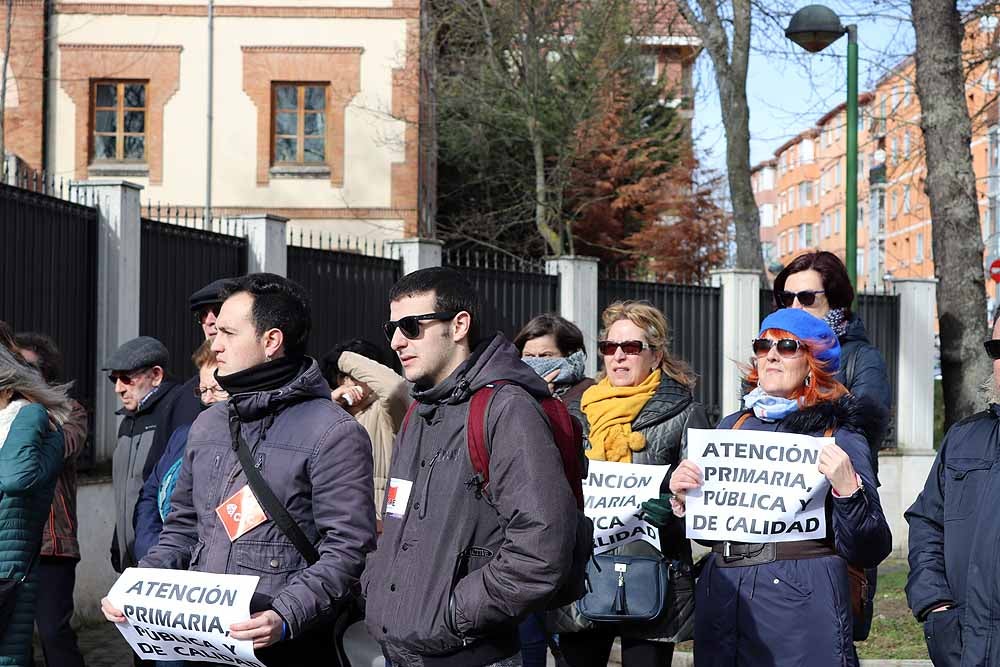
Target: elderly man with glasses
<point>137,371</point>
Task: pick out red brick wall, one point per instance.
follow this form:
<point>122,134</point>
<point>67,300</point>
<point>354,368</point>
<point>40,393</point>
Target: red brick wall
<point>23,123</point>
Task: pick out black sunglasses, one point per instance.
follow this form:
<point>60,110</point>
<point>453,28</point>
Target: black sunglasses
<point>629,347</point>
<point>202,313</point>
<point>787,347</point>
<point>805,297</point>
<point>126,378</point>
<point>410,325</point>
<point>992,348</point>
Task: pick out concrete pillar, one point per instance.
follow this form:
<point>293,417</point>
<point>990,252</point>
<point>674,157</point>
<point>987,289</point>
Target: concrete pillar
<point>118,253</point>
<point>740,323</point>
<point>417,253</point>
<point>578,298</point>
<point>915,402</point>
<point>268,252</point>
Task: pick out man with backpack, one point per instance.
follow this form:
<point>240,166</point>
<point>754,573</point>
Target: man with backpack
<point>478,531</point>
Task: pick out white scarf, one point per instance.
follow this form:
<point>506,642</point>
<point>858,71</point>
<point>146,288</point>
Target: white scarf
<point>7,416</point>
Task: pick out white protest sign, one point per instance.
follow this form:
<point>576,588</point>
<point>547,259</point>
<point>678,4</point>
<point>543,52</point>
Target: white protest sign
<point>612,494</point>
<point>760,486</point>
<point>182,615</point>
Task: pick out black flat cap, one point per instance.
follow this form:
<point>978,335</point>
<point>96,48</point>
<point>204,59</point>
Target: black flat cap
<point>141,352</point>
<point>207,295</point>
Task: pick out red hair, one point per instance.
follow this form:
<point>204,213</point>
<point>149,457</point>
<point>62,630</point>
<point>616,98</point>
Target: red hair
<point>823,387</point>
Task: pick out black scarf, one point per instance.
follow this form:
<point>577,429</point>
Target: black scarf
<point>263,377</point>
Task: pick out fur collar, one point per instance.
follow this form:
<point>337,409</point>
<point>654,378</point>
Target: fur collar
<point>857,413</point>
<point>7,416</point>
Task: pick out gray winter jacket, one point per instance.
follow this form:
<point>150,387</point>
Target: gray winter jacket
<point>455,570</point>
<point>317,460</point>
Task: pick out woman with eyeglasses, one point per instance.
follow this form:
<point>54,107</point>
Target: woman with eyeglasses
<point>153,505</point>
<point>817,282</point>
<point>639,412</point>
<point>31,451</point>
<point>790,603</point>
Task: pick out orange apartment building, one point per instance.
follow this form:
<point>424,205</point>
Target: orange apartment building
<point>801,193</point>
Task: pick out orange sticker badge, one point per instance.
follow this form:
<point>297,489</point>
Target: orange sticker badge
<point>240,513</point>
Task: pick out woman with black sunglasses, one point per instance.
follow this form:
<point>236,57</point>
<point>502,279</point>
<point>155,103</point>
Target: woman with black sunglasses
<point>639,412</point>
<point>792,603</point>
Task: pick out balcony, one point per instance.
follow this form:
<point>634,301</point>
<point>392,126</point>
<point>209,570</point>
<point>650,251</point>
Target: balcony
<point>876,175</point>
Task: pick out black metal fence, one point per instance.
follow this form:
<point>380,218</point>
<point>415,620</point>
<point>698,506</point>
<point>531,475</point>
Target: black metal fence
<point>349,293</point>
<point>512,290</point>
<point>176,261</point>
<point>694,314</point>
<point>48,277</point>
<point>880,314</point>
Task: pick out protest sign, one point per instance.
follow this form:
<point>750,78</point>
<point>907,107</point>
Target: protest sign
<point>612,494</point>
<point>759,486</point>
<point>182,615</point>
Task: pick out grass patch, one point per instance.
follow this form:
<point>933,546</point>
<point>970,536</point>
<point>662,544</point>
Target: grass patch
<point>895,634</point>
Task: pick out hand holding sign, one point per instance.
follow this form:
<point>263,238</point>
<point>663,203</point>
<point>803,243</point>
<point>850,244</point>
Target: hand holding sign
<point>836,466</point>
<point>687,476</point>
<point>263,629</point>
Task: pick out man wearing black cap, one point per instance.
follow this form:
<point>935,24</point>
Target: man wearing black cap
<point>136,369</point>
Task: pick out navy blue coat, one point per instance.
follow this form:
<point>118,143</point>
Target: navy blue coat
<point>797,612</point>
<point>954,541</point>
<point>863,372</point>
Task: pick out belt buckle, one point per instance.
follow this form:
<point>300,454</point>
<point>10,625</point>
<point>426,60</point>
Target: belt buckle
<point>727,549</point>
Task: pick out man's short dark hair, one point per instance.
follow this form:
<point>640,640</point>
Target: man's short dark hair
<point>452,293</point>
<point>330,364</point>
<point>49,358</point>
<point>278,303</point>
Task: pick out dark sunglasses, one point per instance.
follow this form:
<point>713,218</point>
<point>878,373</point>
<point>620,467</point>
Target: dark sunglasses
<point>787,347</point>
<point>410,325</point>
<point>629,347</point>
<point>126,378</point>
<point>202,313</point>
<point>992,348</point>
<point>805,297</point>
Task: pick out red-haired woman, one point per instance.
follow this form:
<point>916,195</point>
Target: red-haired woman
<point>789,603</point>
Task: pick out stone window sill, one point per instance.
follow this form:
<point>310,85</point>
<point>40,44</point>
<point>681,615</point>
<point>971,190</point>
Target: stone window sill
<point>118,169</point>
<point>294,171</point>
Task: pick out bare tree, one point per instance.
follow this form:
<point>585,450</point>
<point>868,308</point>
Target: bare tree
<point>8,24</point>
<point>951,187</point>
<point>730,54</point>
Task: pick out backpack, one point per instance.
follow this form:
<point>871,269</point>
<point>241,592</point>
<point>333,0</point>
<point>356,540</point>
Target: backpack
<point>567,432</point>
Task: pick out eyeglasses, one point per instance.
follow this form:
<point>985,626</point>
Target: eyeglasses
<point>805,297</point>
<point>216,392</point>
<point>992,348</point>
<point>203,312</point>
<point>126,378</point>
<point>410,325</point>
<point>787,347</point>
<point>629,347</point>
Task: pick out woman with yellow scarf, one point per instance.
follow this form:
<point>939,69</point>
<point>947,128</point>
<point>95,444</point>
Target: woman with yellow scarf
<point>639,412</point>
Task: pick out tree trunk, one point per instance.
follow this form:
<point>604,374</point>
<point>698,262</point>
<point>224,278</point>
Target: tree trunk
<point>427,188</point>
<point>951,187</point>
<point>731,64</point>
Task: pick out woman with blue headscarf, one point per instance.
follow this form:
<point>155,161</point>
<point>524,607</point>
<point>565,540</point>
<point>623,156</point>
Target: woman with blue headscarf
<point>790,603</point>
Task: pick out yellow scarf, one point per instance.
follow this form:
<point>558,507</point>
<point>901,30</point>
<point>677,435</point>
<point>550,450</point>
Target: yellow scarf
<point>610,412</point>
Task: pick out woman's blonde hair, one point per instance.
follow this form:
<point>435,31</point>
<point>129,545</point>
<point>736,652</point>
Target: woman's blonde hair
<point>653,322</point>
<point>27,383</point>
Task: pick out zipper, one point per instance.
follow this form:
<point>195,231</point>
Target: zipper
<point>427,484</point>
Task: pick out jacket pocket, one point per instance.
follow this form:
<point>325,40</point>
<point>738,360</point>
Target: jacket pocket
<point>943,633</point>
<point>468,561</point>
<point>196,556</point>
<point>274,562</point>
<point>964,479</point>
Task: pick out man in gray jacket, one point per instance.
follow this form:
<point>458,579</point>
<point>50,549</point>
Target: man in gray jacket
<point>458,566</point>
<point>313,455</point>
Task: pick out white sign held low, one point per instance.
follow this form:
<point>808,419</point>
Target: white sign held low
<point>182,615</point>
<point>759,486</point>
<point>612,494</point>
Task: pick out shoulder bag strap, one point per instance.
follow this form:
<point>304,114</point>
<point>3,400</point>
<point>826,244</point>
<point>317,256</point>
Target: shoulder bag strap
<point>742,420</point>
<point>265,496</point>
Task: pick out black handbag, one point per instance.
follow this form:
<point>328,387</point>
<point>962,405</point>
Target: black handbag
<point>625,588</point>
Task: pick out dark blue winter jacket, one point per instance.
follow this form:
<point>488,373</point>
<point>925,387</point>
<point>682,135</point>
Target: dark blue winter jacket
<point>955,541</point>
<point>797,612</point>
<point>148,522</point>
<point>863,372</point>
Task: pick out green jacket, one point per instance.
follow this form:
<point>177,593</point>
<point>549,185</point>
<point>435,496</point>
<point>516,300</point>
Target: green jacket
<point>30,459</point>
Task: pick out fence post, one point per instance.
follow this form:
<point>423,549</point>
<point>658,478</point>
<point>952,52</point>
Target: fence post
<point>915,403</point>
<point>118,260</point>
<point>268,252</point>
<point>578,298</point>
<point>417,253</point>
<point>740,319</point>
<point>11,162</point>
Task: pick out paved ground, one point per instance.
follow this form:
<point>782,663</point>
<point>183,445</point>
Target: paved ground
<point>102,646</point>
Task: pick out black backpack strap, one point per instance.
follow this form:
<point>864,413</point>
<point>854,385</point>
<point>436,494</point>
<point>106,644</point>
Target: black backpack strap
<point>265,496</point>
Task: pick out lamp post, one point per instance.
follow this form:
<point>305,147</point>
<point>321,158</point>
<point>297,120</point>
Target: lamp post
<point>814,28</point>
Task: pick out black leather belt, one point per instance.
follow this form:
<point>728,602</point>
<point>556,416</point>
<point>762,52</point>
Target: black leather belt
<point>743,554</point>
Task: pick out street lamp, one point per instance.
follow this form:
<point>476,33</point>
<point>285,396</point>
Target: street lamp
<point>814,28</point>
